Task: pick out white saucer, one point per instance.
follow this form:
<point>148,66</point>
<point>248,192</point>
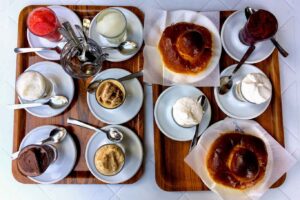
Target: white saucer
<point>133,154</point>
<point>163,113</point>
<point>63,14</point>
<point>131,106</point>
<point>234,47</point>
<point>66,158</point>
<point>134,33</point>
<point>230,105</point>
<point>63,84</point>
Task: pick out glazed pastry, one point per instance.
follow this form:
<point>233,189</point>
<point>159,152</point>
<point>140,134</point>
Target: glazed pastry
<point>237,160</point>
<point>186,48</point>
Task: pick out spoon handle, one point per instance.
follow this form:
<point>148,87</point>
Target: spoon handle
<point>244,58</point>
<point>195,138</point>
<point>25,105</point>
<point>29,50</point>
<point>131,76</point>
<point>281,50</point>
<point>15,155</point>
<point>82,124</point>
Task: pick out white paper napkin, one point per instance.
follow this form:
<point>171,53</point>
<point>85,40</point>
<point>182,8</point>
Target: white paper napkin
<point>280,159</point>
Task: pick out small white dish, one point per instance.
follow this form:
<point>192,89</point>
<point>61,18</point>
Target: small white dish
<point>235,48</point>
<point>233,107</point>
<point>133,154</point>
<point>63,14</point>
<point>134,33</point>
<point>130,107</point>
<point>63,84</point>
<point>66,155</point>
<point>163,113</point>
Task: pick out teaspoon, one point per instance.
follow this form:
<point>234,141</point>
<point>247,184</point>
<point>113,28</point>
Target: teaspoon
<point>203,103</point>
<point>94,85</point>
<point>113,134</point>
<point>226,81</point>
<point>56,135</point>
<point>126,47</point>
<point>54,102</point>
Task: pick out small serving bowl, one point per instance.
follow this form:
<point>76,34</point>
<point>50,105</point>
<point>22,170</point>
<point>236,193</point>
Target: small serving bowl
<point>123,153</point>
<point>119,84</point>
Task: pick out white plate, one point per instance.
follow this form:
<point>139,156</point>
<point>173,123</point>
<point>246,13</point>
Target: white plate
<point>163,113</point>
<point>63,14</point>
<point>230,105</point>
<point>66,157</point>
<point>63,84</point>
<point>204,21</point>
<point>234,47</point>
<point>134,33</point>
<point>130,107</point>
<point>133,154</point>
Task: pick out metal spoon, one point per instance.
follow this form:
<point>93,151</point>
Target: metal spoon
<point>204,104</point>
<point>54,102</point>
<point>113,134</point>
<point>126,47</point>
<point>94,85</point>
<point>58,48</point>
<point>56,135</point>
<point>248,12</point>
<point>226,81</point>
<point>86,23</point>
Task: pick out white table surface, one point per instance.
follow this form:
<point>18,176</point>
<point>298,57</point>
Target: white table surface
<point>288,14</point>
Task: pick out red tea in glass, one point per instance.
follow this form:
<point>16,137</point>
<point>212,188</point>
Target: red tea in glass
<point>261,25</point>
<point>43,22</point>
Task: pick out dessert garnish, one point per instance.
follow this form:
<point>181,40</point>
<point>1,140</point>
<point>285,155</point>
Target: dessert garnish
<point>109,159</point>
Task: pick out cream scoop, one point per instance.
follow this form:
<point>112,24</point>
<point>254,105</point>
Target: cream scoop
<point>256,88</point>
<point>187,112</point>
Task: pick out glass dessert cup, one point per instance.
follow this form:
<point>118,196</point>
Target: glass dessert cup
<point>260,26</point>
<point>122,154</point>
<point>44,83</point>
<point>116,83</point>
<point>78,69</point>
<point>119,37</point>
<point>44,23</point>
<point>34,160</point>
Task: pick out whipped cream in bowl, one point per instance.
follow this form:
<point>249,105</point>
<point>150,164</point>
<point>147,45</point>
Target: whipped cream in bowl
<point>254,88</point>
<point>187,112</point>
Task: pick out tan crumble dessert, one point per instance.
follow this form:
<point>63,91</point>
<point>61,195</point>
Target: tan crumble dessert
<point>109,159</point>
<point>110,94</point>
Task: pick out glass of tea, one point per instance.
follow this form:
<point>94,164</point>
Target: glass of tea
<point>261,25</point>
<point>44,23</point>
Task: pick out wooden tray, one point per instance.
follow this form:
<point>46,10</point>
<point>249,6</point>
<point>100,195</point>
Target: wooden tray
<point>24,122</point>
<point>171,172</point>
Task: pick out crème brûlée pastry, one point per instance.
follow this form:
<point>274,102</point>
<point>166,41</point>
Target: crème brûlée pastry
<point>238,161</point>
<point>109,159</point>
<point>186,48</point>
<point>110,93</point>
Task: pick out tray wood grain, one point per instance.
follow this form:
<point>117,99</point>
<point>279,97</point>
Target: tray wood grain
<point>171,172</point>
<point>24,122</point>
